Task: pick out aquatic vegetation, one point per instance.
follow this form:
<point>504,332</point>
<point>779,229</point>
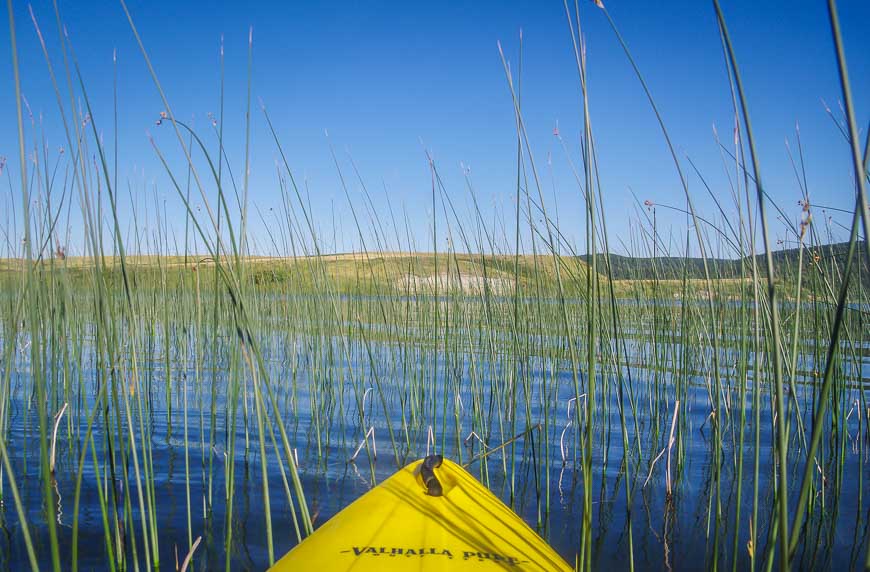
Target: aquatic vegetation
<point>162,405</point>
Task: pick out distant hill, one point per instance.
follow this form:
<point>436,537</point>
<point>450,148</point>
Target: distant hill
<point>827,257</point>
<point>412,273</point>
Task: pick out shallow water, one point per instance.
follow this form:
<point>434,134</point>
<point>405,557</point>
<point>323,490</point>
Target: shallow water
<point>678,532</point>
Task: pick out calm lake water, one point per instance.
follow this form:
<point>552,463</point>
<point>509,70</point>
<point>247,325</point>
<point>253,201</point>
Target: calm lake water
<point>678,533</point>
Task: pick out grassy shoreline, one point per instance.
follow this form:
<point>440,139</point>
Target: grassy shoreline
<point>469,273</point>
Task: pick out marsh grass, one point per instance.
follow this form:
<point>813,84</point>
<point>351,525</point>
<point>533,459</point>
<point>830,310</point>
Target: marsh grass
<point>532,362</point>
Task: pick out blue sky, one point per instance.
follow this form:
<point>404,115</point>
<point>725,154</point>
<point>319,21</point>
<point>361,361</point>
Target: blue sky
<point>391,79</point>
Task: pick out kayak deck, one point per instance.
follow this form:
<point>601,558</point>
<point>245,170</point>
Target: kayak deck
<point>398,525</point>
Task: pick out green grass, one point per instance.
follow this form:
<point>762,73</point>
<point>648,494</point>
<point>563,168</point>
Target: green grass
<point>223,341</point>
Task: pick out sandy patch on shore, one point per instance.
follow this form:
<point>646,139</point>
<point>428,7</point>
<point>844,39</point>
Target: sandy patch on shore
<point>466,283</point>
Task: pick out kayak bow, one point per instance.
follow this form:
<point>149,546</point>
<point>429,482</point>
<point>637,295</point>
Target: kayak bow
<point>430,515</point>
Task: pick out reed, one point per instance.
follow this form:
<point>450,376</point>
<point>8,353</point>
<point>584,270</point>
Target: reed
<point>184,388</point>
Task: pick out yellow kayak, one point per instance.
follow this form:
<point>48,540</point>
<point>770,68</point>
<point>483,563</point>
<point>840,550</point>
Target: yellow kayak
<point>431,515</point>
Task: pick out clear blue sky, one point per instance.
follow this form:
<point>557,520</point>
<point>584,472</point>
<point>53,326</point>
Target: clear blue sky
<point>384,76</point>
